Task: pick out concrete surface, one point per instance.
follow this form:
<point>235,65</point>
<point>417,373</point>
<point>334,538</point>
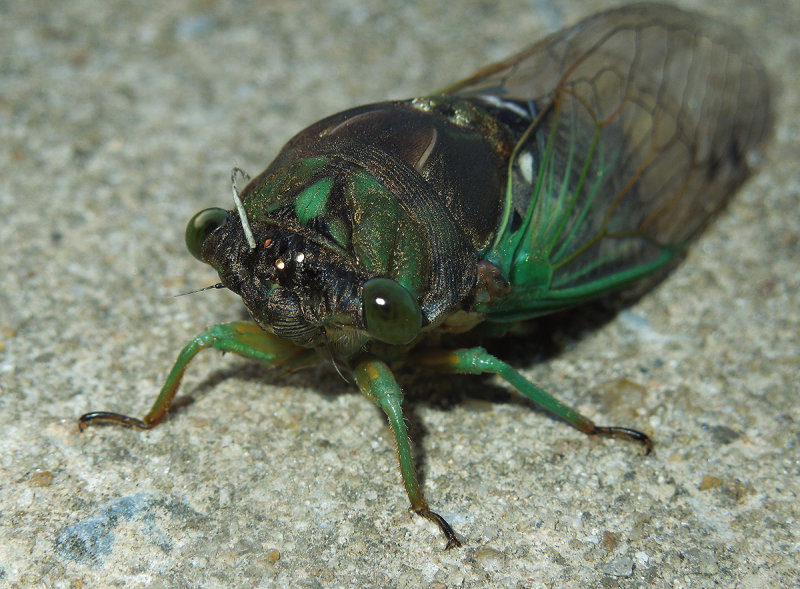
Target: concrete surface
<point>119,120</point>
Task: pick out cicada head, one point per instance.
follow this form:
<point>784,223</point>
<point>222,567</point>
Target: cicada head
<point>301,287</point>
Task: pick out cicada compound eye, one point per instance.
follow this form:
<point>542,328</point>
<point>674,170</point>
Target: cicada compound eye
<point>201,226</point>
<point>391,312</point>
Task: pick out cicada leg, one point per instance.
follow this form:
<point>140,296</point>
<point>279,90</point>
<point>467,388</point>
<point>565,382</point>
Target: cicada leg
<point>376,381</point>
<point>479,361</point>
<point>242,337</point>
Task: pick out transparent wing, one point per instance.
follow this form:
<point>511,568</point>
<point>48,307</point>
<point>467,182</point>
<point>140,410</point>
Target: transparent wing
<point>644,119</point>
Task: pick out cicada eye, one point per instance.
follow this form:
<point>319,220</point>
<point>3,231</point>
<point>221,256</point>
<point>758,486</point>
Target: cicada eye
<point>200,226</point>
<point>391,313</point>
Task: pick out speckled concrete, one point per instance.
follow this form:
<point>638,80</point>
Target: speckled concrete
<point>118,122</point>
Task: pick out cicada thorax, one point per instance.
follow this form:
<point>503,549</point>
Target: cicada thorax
<point>410,191</point>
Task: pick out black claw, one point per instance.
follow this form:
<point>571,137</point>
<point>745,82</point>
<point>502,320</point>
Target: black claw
<point>452,539</point>
<point>109,417</point>
<point>626,433</point>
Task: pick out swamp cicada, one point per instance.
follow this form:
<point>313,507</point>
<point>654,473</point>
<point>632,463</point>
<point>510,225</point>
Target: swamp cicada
<point>581,166</point>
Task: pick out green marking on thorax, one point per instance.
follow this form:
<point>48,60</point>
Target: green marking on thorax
<point>272,192</point>
<point>313,200</point>
<point>385,240</point>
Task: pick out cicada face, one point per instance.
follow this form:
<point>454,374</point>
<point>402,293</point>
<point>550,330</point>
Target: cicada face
<point>292,284</point>
<point>298,287</point>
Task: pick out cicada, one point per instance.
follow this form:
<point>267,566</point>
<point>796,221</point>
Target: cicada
<point>581,166</point>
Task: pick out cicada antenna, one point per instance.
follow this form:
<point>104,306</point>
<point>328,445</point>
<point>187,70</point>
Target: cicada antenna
<point>217,285</point>
<point>248,233</point>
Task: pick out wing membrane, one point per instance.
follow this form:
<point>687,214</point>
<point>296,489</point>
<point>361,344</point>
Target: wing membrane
<point>646,117</point>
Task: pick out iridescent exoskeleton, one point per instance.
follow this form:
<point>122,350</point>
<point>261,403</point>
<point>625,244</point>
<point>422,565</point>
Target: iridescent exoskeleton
<point>583,165</point>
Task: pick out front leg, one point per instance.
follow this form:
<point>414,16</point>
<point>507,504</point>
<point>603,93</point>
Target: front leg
<point>244,338</point>
<point>376,381</point>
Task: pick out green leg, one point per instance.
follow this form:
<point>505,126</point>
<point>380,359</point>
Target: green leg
<point>479,361</point>
<point>242,337</point>
<point>376,381</point>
